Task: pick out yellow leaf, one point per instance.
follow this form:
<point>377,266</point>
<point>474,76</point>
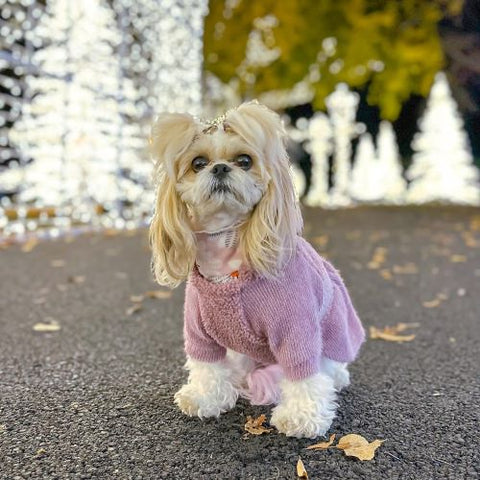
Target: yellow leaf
<point>136,298</point>
<point>407,269</point>
<point>51,326</point>
<point>322,445</point>
<point>301,471</point>
<point>458,258</point>
<point>30,244</point>
<point>375,334</point>
<point>136,307</point>
<point>161,294</point>
<point>386,274</point>
<point>357,446</point>
<point>255,425</point>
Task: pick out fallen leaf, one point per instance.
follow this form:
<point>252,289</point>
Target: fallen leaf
<point>322,445</point>
<point>136,298</point>
<point>57,263</point>
<point>440,297</point>
<point>378,258</point>
<point>354,445</point>
<point>400,327</point>
<point>50,325</point>
<point>376,334</point>
<point>133,309</point>
<point>76,279</point>
<point>41,452</point>
<point>470,240</point>
<point>475,223</point>
<point>255,425</point>
<point>386,274</point>
<point>3,429</point>
<point>161,294</point>
<point>30,244</point>
<point>321,241</point>
<point>301,471</point>
<point>407,269</point>
<point>458,258</point>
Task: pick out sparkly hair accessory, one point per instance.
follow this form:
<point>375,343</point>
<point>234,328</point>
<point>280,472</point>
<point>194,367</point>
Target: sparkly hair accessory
<point>213,125</point>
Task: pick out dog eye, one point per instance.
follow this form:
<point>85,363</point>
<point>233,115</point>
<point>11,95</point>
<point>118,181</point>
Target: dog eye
<point>244,161</point>
<point>198,163</point>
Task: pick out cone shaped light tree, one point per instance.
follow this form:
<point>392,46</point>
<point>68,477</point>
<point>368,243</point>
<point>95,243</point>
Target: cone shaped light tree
<point>442,168</point>
<point>393,184</point>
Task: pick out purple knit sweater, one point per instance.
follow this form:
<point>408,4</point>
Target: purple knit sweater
<point>293,320</point>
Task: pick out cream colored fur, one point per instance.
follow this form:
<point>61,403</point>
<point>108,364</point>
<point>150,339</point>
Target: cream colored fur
<point>262,199</point>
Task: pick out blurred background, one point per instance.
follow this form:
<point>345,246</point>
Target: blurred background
<point>381,99</point>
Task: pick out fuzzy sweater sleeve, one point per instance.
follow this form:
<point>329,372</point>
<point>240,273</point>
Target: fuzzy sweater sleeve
<point>198,344</point>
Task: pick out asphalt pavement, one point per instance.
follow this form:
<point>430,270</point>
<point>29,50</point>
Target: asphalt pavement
<point>93,399</point>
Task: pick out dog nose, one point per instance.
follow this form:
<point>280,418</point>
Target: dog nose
<point>220,170</point>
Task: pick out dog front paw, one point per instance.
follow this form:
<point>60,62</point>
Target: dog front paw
<point>204,405</point>
<point>301,422</point>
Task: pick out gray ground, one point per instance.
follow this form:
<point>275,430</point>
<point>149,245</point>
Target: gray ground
<point>94,400</point>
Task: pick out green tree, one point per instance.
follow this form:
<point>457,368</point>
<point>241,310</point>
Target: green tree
<point>391,45</point>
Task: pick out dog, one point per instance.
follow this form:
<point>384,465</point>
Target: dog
<point>266,318</point>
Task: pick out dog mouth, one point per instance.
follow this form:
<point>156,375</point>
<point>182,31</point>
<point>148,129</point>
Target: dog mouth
<point>220,188</point>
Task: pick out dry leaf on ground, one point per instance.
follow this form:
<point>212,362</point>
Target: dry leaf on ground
<point>458,258</point>
<point>322,445</point>
<point>76,279</point>
<point>30,244</point>
<point>356,446</point>
<point>57,263</point>
<point>391,334</point>
<point>407,269</point>
<point>255,425</point>
<point>436,301</point>
<point>301,471</point>
<point>136,298</point>
<point>386,274</point>
<point>161,294</point>
<point>136,307</point>
<point>49,326</point>
<point>3,429</point>
<point>321,241</point>
<point>475,223</point>
<point>378,258</point>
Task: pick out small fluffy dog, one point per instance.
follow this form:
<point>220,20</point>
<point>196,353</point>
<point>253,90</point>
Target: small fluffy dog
<point>266,317</point>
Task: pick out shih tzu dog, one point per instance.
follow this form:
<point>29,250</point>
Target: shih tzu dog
<point>266,317</point>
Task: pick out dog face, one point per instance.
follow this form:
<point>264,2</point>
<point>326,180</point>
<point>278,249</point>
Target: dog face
<point>237,167</point>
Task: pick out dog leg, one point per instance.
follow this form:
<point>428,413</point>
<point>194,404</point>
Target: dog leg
<point>307,407</point>
<point>209,390</point>
<point>337,371</point>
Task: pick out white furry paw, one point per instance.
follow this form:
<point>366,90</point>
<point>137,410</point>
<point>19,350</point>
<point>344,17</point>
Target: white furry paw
<point>338,372</point>
<point>307,408</point>
<point>301,423</point>
<point>193,402</point>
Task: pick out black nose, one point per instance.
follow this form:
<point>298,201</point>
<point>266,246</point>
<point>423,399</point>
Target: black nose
<point>220,170</point>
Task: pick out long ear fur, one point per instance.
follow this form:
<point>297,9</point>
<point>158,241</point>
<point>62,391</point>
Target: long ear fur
<point>269,239</point>
<point>171,238</point>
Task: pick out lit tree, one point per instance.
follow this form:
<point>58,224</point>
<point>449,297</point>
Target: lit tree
<point>366,178</point>
<point>77,128</point>
<point>320,147</point>
<point>166,53</point>
<point>442,168</point>
<point>342,108</point>
<point>392,182</point>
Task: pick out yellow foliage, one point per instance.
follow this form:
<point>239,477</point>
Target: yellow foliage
<point>392,46</point>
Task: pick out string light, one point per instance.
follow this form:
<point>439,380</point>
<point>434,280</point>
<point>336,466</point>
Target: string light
<point>94,74</point>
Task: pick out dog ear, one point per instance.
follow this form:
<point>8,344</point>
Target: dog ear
<point>269,239</point>
<point>171,238</point>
